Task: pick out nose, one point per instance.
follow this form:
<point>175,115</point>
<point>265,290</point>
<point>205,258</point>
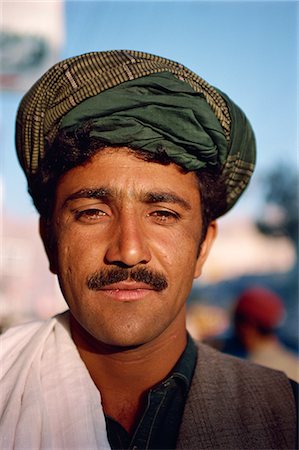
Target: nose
<point>128,245</point>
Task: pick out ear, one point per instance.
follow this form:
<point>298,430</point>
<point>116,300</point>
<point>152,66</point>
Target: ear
<point>46,234</point>
<point>205,248</point>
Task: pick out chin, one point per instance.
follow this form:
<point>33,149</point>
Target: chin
<point>119,330</point>
<point>127,338</point>
<point>128,335</point>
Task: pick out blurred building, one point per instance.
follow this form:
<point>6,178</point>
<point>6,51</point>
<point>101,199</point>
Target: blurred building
<point>27,290</point>
<point>241,249</point>
<point>31,36</point>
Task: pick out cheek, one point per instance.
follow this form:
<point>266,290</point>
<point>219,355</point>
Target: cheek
<point>178,251</point>
<point>74,255</point>
<point>74,246</point>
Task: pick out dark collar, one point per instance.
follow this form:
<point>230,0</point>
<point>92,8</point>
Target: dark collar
<point>185,366</point>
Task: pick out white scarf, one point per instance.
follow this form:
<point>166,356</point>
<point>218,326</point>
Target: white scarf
<point>47,397</point>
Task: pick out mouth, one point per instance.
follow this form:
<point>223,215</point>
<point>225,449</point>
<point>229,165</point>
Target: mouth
<point>127,291</point>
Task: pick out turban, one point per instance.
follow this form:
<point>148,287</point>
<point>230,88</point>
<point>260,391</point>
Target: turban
<point>142,101</point>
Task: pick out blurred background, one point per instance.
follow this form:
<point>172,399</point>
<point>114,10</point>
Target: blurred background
<point>248,49</point>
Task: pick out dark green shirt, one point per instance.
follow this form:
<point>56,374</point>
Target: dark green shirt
<point>159,425</point>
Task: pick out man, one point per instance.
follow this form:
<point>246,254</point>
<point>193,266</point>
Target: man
<point>130,158</point>
<point>258,313</point>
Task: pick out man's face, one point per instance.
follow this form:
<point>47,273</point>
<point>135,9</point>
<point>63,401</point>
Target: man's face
<point>119,215</point>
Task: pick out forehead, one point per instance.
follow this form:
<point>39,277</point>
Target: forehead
<point>126,174</point>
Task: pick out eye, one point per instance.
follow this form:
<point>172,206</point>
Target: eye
<point>164,216</point>
<point>90,215</point>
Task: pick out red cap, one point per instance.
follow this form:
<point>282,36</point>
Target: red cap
<point>261,306</point>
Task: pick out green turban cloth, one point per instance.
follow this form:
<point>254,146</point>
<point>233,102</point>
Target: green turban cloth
<point>141,101</point>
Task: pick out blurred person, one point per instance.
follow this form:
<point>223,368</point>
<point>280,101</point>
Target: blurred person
<point>130,158</point>
<point>257,316</point>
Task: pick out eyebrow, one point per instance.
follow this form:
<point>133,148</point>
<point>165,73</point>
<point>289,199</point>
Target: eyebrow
<point>100,193</point>
<point>166,197</point>
<point>104,193</point>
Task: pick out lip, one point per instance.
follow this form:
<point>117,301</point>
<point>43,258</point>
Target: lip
<point>125,291</point>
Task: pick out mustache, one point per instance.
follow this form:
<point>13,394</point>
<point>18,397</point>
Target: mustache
<point>106,277</point>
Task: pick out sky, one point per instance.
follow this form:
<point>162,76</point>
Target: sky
<point>246,49</point>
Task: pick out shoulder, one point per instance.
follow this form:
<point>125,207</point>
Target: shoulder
<point>237,404</point>
<point>18,336</point>
<point>247,390</point>
<point>17,339</point>
<point>217,358</point>
<point>225,363</point>
<point>241,375</point>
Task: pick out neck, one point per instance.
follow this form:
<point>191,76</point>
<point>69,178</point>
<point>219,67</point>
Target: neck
<point>123,375</point>
<point>259,341</point>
